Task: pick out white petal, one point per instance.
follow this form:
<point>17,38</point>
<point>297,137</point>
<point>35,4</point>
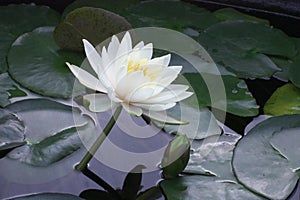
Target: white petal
<point>164,118</point>
<point>99,102</point>
<point>125,46</point>
<point>169,75</point>
<point>169,96</point>
<point>162,61</point>
<point>146,51</point>
<point>133,110</point>
<point>93,56</point>
<point>140,94</point>
<point>87,79</point>
<point>155,107</point>
<point>130,83</point>
<point>113,47</point>
<point>139,45</point>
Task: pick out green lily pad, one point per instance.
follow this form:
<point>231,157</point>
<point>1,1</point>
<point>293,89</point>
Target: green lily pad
<point>203,187</point>
<point>12,130</point>
<point>118,6</point>
<point>237,46</point>
<point>8,90</point>
<point>24,20</point>
<point>49,196</point>
<point>285,65</point>
<point>294,71</point>
<point>239,100</point>
<point>226,14</point>
<point>51,132</point>
<point>213,156</point>
<point>145,14</point>
<point>93,24</point>
<point>263,164</point>
<point>285,100</point>
<point>37,63</point>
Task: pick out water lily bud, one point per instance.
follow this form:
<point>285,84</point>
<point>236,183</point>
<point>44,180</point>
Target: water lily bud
<point>176,156</point>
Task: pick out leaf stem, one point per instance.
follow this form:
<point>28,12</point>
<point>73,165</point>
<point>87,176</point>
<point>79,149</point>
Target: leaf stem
<point>89,155</point>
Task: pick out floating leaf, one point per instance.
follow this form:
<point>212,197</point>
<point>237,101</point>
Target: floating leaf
<point>11,130</point>
<point>37,63</point>
<point>93,24</point>
<point>226,14</point>
<point>8,90</point>
<point>294,71</point>
<point>191,16</point>
<point>202,187</point>
<point>285,65</point>
<point>240,47</point>
<point>285,100</point>
<point>118,6</point>
<point>213,156</point>
<point>24,20</point>
<point>152,193</point>
<point>49,196</point>
<point>239,100</point>
<point>51,132</point>
<point>261,160</point>
<point>176,156</point>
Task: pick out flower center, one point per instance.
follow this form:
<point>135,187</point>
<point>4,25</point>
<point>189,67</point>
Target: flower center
<point>139,65</point>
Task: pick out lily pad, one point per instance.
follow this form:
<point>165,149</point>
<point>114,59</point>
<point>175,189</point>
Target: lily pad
<point>213,156</point>
<point>93,24</point>
<point>285,100</point>
<point>145,14</point>
<point>12,27</point>
<point>203,187</point>
<point>118,6</point>
<point>239,100</point>
<point>8,90</point>
<point>294,71</point>
<point>263,164</point>
<point>284,64</point>
<point>237,46</point>
<point>37,63</point>
<point>51,132</point>
<point>12,130</point>
<point>49,196</point>
<point>226,14</point>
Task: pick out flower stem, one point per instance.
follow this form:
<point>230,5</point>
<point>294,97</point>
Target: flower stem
<point>89,155</point>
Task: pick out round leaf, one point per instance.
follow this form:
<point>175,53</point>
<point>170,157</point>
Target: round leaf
<point>294,71</point>
<point>213,156</point>
<point>203,187</point>
<point>93,24</point>
<point>37,63</point>
<point>239,100</point>
<point>191,16</point>
<point>261,167</point>
<point>226,14</point>
<point>11,130</point>
<point>24,20</point>
<point>285,100</point>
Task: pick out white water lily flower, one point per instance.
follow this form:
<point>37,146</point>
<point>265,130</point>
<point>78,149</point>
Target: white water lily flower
<point>128,76</point>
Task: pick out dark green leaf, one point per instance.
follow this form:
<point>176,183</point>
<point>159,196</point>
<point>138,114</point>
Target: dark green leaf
<point>284,64</point>
<point>8,90</point>
<point>93,194</point>
<point>202,187</point>
<point>152,193</point>
<point>226,14</point>
<point>117,6</point>
<point>24,20</point>
<point>49,196</point>
<point>11,130</point>
<point>240,46</point>
<point>37,63</point>
<point>294,71</point>
<point>93,24</point>
<point>213,156</point>
<point>239,100</point>
<point>285,100</point>
<point>191,17</point>
<point>53,131</point>
<point>132,183</point>
<point>176,156</point>
<point>267,158</point>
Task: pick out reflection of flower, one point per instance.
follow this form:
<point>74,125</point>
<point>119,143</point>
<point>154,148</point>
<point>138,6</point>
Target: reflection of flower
<point>129,77</point>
